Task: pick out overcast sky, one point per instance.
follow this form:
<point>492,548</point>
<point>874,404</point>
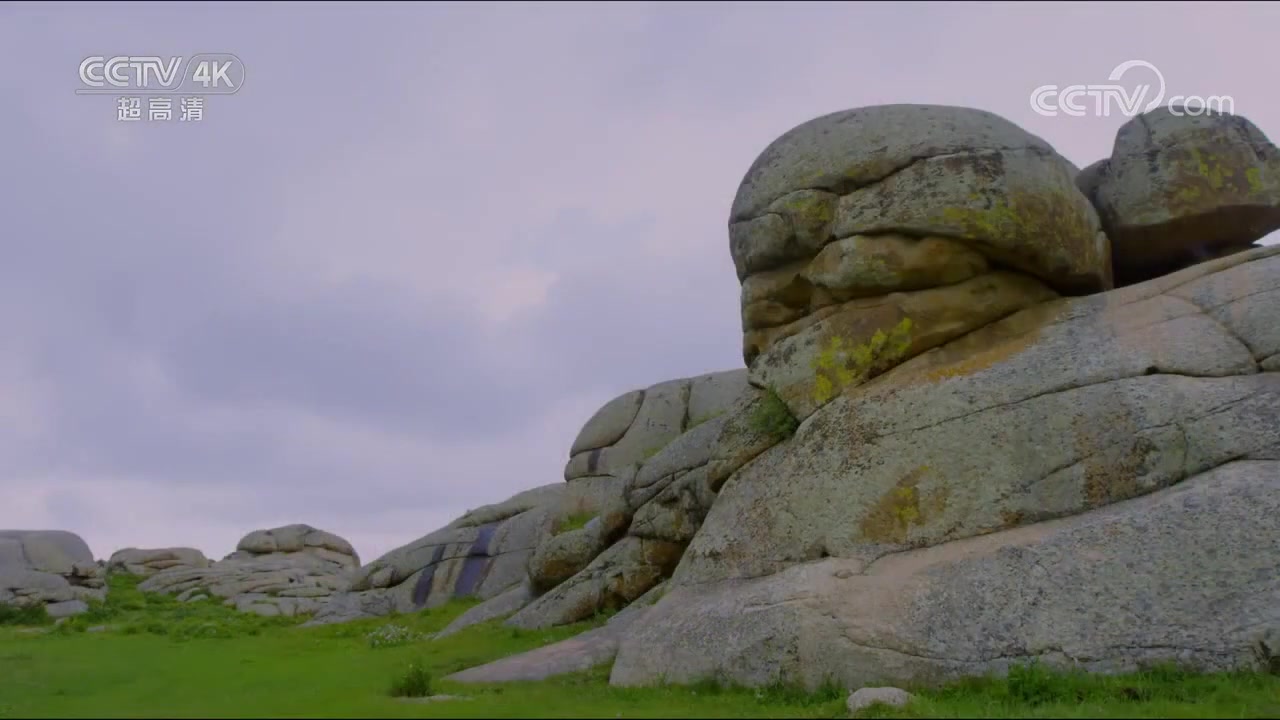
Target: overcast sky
<point>390,279</point>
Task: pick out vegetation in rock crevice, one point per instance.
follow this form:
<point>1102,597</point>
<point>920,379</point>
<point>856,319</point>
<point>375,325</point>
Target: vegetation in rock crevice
<point>771,416</point>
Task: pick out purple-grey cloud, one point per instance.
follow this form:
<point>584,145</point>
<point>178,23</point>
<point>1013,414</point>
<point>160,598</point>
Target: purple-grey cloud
<point>390,278</point>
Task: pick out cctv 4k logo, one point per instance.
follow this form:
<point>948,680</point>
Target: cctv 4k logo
<point>203,74</point>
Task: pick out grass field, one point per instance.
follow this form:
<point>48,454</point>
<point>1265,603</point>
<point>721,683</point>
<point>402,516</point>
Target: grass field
<point>159,658</point>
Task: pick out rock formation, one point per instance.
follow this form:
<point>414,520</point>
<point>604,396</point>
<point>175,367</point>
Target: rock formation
<point>994,409</point>
<point>290,570</point>
<point>960,448</point>
<point>146,562</point>
<point>565,550</point>
<point>52,567</point>
<point>1179,189</point>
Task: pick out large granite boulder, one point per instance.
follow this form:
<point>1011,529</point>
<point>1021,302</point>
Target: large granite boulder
<point>915,207</point>
<point>1091,480</point>
<point>290,570</point>
<point>50,567</point>
<point>1179,189</point>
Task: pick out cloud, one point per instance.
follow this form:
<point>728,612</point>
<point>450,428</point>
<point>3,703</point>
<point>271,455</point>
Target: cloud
<point>390,278</point>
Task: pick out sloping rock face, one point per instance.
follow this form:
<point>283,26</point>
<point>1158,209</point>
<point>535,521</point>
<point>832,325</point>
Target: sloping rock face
<point>51,567</point>
<point>1092,480</point>
<point>637,540</point>
<point>146,562</point>
<point>289,570</point>
<point>481,554</point>
<point>863,217</point>
<point>525,552</point>
<point>1180,189</point>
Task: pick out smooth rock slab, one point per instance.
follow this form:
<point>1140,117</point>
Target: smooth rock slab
<point>1186,574</point>
<point>582,652</point>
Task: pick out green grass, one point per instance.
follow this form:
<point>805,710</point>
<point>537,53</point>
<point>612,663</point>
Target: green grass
<point>147,665</point>
<point>576,521</point>
<point>25,615</point>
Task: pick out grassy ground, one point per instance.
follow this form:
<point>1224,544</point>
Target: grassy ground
<point>159,658</point>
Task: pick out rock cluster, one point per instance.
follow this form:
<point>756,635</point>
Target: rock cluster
<point>51,567</point>
<point>962,445</point>
<point>994,409</point>
<point>289,570</point>
<point>564,551</point>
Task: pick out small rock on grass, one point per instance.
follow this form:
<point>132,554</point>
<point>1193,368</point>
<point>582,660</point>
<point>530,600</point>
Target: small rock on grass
<point>866,697</point>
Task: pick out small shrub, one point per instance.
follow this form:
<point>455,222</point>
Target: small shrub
<point>772,417</point>
<point>392,635</point>
<point>415,682</point>
<point>27,615</point>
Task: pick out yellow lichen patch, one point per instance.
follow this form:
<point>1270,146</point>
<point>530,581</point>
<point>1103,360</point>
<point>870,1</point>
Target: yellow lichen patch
<point>1200,178</point>
<point>842,364</point>
<point>901,508</point>
<point>1045,233</point>
<point>1253,176</point>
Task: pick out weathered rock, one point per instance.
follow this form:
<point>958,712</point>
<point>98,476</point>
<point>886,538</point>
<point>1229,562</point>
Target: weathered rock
<point>1185,574</point>
<point>662,417</point>
<point>666,411</point>
<point>864,698</point>
<point>609,423</point>
<point>146,562</point>
<point>689,451</point>
<point>890,199</point>
<point>483,554</point>
<point>290,570</point>
<point>1178,188</point>
<point>1072,403</point>
<point>675,513</point>
<point>491,609</point>
<point>564,555</point>
<point>712,394</point>
<point>578,653</point>
<point>839,349</point>
<point>741,439</point>
<point>50,551</point>
<point>50,567</point>
<point>624,572</point>
<point>300,538</point>
<point>1079,459</point>
<point>66,608</point>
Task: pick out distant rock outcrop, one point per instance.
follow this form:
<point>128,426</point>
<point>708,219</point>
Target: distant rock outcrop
<point>51,567</point>
<point>290,570</point>
<point>146,562</point>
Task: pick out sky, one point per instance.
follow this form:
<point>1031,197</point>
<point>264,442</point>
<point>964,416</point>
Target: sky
<point>389,279</point>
